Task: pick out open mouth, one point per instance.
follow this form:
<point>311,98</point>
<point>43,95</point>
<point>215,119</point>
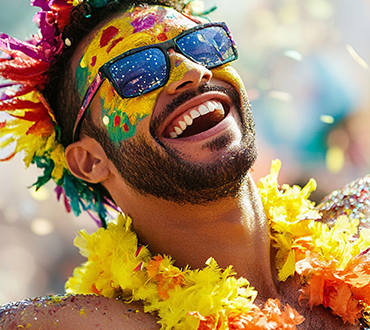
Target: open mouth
<point>197,120</point>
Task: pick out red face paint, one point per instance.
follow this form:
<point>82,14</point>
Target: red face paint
<point>113,44</point>
<point>108,34</point>
<point>117,120</point>
<point>162,36</point>
<point>93,61</point>
<point>177,62</point>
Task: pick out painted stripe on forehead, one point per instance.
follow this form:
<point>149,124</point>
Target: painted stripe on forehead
<point>108,34</point>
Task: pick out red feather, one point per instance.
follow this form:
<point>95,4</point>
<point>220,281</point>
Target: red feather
<point>26,70</point>
<point>36,113</point>
<point>62,11</point>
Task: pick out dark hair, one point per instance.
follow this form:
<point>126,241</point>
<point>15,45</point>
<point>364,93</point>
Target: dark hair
<point>60,92</point>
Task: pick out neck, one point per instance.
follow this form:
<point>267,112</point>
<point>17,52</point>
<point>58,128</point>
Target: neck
<point>233,232</point>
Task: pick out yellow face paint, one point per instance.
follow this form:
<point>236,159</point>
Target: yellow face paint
<point>179,67</point>
<point>137,27</point>
<point>228,74</point>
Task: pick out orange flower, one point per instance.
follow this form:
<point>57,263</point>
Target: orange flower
<point>208,322</point>
<point>272,317</point>
<point>167,277</point>
<point>341,290</point>
<point>153,266</point>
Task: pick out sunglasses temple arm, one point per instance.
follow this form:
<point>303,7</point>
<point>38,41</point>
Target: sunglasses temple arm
<point>90,93</point>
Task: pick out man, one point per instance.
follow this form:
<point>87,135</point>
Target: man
<point>173,152</point>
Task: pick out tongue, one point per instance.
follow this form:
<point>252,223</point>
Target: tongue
<point>202,124</point>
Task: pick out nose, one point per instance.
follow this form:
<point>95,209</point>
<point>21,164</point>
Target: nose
<point>185,74</point>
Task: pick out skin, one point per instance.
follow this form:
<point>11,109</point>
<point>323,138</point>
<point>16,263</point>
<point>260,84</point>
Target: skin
<point>121,116</point>
<point>75,312</point>
<point>233,230</point>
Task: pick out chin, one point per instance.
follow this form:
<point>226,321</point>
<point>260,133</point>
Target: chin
<point>165,174</point>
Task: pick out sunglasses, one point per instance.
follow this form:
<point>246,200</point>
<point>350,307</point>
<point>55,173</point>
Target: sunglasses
<point>145,69</point>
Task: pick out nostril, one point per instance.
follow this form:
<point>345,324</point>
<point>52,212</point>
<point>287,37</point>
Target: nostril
<point>207,76</point>
<point>183,84</point>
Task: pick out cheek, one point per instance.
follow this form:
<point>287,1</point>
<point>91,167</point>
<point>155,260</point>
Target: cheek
<point>121,116</point>
<point>230,75</point>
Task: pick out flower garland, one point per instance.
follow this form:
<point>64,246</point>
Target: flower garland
<point>184,299</point>
<point>334,266</point>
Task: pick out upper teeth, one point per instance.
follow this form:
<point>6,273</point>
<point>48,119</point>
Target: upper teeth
<point>180,124</point>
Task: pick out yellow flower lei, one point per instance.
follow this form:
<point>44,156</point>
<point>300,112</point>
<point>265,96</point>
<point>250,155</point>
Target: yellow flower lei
<point>337,274</point>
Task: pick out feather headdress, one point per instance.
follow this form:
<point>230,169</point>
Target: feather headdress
<point>31,127</point>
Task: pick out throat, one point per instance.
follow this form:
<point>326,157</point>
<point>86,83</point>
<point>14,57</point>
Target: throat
<point>202,124</point>
<point>233,232</point>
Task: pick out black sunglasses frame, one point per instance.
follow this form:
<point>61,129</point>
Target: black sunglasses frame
<point>164,47</point>
<point>104,72</point>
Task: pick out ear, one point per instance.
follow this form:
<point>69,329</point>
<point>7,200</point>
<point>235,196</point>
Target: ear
<point>87,160</point>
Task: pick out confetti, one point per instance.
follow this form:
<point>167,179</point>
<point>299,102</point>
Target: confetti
<point>357,57</point>
<point>293,54</point>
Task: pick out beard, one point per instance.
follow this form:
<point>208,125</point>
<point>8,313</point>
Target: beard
<point>162,172</point>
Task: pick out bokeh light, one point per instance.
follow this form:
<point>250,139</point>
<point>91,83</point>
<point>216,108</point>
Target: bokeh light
<point>42,227</point>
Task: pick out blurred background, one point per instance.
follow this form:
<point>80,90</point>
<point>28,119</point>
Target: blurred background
<point>305,64</point>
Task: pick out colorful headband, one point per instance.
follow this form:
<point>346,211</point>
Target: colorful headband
<point>31,127</point>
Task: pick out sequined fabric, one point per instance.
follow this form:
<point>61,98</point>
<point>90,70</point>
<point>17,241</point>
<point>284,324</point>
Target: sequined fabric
<point>353,200</point>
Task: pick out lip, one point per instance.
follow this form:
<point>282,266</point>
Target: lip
<point>193,103</point>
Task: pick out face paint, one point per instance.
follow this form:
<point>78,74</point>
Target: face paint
<point>228,74</point>
<point>136,28</point>
<point>179,67</point>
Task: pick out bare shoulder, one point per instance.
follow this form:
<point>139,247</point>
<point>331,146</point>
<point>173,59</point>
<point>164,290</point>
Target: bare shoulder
<point>75,312</point>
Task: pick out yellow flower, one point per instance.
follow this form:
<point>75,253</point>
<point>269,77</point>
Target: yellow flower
<point>114,261</point>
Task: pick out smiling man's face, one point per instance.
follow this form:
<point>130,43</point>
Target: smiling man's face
<point>189,141</point>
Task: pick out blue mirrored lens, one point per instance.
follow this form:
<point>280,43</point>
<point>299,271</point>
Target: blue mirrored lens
<point>210,46</point>
<point>140,73</point>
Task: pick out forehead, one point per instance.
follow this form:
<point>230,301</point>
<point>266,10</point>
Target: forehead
<point>137,27</point>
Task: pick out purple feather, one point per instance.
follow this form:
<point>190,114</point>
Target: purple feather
<point>43,4</point>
